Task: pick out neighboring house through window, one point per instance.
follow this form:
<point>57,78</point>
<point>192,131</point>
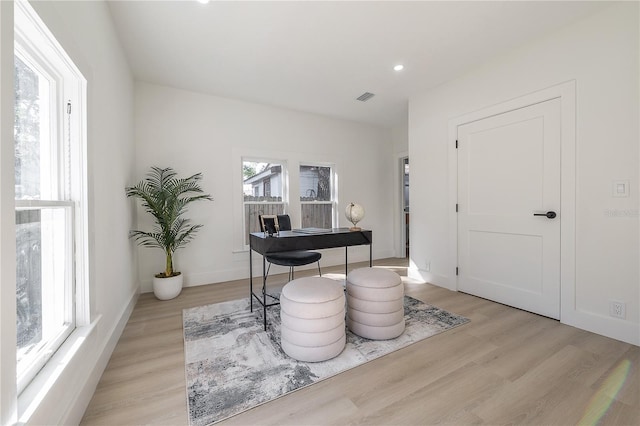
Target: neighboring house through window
<point>267,187</point>
<point>263,189</point>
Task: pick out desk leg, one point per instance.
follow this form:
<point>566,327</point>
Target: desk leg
<point>251,277</point>
<point>370,255</point>
<point>264,294</point>
<point>346,263</point>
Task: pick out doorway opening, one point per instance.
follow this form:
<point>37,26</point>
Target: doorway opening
<point>405,204</point>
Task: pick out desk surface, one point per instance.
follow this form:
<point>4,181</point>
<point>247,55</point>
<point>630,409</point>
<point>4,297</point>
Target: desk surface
<point>292,240</point>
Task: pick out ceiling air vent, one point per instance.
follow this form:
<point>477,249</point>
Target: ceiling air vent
<point>365,96</point>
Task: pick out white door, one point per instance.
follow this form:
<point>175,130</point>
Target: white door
<point>509,170</point>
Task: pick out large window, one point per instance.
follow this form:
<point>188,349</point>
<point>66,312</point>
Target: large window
<point>317,196</point>
<point>49,188</point>
<point>263,190</point>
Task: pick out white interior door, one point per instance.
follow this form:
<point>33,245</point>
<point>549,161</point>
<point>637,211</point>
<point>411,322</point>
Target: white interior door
<point>509,170</point>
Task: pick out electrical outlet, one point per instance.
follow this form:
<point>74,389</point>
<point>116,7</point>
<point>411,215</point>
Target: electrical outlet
<point>427,265</point>
<point>617,309</point>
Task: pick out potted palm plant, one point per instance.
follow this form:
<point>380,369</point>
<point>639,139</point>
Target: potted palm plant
<point>166,197</point>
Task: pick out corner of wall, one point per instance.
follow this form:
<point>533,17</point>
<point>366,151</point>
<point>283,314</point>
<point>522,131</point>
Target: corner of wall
<point>625,331</point>
<point>431,278</point>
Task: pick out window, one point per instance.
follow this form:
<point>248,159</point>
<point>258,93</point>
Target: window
<point>317,196</point>
<point>264,192</point>
<point>49,188</point>
<point>267,188</point>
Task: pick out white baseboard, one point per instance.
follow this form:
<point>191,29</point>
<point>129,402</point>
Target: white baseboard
<point>625,331</point>
<point>83,396</point>
<point>330,257</point>
<point>431,278</point>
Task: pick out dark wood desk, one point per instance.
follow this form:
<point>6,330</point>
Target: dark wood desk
<point>297,240</point>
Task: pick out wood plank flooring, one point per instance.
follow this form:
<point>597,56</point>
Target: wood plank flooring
<point>505,367</point>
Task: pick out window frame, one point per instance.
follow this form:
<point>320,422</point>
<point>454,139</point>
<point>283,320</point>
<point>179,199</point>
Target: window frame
<point>333,191</point>
<point>49,347</point>
<point>284,185</point>
<point>35,45</point>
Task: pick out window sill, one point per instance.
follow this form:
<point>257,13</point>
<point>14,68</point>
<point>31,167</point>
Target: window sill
<point>36,391</point>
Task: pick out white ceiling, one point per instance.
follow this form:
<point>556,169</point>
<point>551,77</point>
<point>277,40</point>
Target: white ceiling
<point>319,56</point>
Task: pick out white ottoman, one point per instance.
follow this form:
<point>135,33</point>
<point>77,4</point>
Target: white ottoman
<point>375,300</point>
<point>312,323</point>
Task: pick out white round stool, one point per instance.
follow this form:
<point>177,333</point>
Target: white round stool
<point>312,326</point>
<point>375,300</point>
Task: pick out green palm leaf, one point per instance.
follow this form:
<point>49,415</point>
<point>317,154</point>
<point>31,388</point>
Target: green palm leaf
<point>166,197</point>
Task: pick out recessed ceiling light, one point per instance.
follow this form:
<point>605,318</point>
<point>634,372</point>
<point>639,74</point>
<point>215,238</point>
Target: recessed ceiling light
<point>398,67</point>
<point>203,1</point>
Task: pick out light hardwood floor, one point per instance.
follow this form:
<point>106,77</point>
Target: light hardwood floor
<point>504,367</point>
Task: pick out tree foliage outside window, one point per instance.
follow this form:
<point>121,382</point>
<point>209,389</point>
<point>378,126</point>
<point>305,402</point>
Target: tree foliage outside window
<point>27,131</point>
<point>248,170</point>
<point>28,226</point>
<point>315,183</point>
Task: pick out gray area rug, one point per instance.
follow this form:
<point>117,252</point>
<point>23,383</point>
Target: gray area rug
<point>233,365</point>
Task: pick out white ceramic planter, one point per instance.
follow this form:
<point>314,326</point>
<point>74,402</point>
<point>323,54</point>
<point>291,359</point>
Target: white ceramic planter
<point>167,288</point>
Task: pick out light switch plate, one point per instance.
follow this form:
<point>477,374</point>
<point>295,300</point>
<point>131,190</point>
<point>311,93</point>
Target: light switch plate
<point>620,188</point>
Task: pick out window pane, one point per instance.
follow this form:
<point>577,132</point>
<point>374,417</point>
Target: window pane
<point>43,287</point>
<point>262,181</point>
<point>33,150</point>
<point>28,278</point>
<point>315,187</point>
<point>263,193</point>
<point>315,183</point>
<point>317,216</point>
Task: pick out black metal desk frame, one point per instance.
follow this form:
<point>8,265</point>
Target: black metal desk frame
<point>292,240</point>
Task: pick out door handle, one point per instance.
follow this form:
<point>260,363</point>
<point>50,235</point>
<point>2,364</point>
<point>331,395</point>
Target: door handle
<point>549,215</point>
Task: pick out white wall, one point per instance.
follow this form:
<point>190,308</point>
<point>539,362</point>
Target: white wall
<point>601,54</point>
<point>400,139</point>
<point>194,132</point>
<point>85,31</point>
